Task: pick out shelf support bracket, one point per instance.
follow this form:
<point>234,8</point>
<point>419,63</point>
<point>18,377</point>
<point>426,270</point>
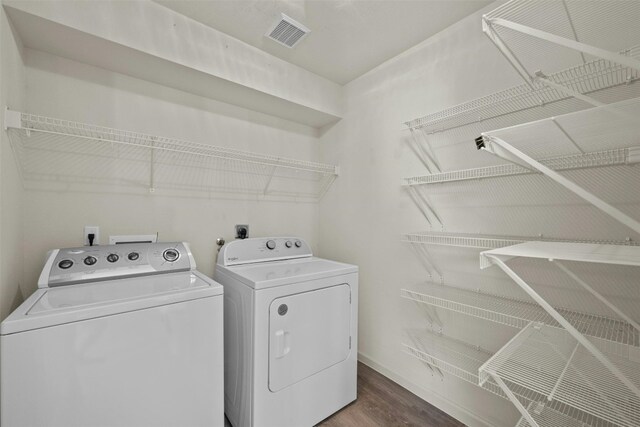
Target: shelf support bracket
<point>587,344</point>
<point>596,294</point>
<point>424,206</point>
<point>540,77</point>
<point>502,149</point>
<point>566,134</point>
<point>152,163</point>
<point>627,61</point>
<point>426,156</point>
<point>512,397</point>
<point>488,29</point>
<point>266,187</point>
<point>425,259</point>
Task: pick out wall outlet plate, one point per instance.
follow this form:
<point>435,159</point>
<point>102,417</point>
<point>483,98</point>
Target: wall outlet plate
<point>91,229</point>
<point>242,231</point>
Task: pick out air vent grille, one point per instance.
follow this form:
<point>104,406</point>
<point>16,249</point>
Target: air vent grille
<point>287,31</point>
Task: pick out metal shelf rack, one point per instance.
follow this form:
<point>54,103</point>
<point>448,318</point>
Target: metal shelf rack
<point>608,127</point>
<point>444,354</point>
<point>613,157</point>
<point>620,367</point>
<point>549,361</point>
<point>605,332</point>
<point>588,78</point>
<point>50,149</point>
<point>541,37</point>
<point>477,241</point>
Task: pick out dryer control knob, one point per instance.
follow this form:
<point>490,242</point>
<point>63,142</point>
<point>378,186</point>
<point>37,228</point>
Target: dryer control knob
<point>298,243</point>
<point>288,244</point>
<point>133,256</point>
<point>90,260</point>
<point>113,257</point>
<point>271,244</point>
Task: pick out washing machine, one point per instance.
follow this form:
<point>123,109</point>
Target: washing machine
<point>117,336</point>
<point>290,333</point>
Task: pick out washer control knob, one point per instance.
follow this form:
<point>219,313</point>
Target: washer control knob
<point>171,255</point>
<point>65,263</point>
<point>298,243</point>
<point>271,244</point>
<point>90,260</point>
<point>133,256</point>
<point>113,257</point>
<point>288,243</point>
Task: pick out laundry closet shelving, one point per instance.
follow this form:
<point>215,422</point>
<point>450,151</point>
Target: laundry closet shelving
<point>576,358</point>
<point>62,153</point>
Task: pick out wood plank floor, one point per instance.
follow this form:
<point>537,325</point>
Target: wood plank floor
<point>383,403</point>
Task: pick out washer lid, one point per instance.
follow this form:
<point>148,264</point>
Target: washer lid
<point>54,306</point>
<point>278,273</point>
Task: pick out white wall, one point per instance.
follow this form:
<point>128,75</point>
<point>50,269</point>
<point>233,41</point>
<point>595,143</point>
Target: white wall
<point>12,89</point>
<point>61,88</point>
<point>363,216</point>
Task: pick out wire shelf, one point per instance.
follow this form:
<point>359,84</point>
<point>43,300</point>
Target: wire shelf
<point>551,362</point>
<point>589,78</point>
<point>491,242</point>
<point>614,157</point>
<point>50,149</point>
<point>463,361</point>
<point>545,416</point>
<point>449,355</point>
<point>549,36</point>
<point>604,332</point>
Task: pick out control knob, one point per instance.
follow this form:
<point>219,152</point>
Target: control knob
<point>288,243</point>
<point>133,256</point>
<point>271,244</point>
<point>65,263</point>
<point>90,260</point>
<point>170,255</point>
<point>113,257</point>
<point>298,243</point>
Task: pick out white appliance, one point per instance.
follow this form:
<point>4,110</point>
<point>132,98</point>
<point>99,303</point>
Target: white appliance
<point>121,335</point>
<point>290,333</point>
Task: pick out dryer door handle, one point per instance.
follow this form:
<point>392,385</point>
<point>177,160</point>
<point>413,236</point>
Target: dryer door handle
<point>283,343</point>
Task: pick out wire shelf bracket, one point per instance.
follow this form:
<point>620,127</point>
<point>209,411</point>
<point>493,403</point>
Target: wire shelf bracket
<point>581,252</point>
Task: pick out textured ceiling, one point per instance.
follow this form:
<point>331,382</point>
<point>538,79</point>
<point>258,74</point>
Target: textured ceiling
<point>348,37</point>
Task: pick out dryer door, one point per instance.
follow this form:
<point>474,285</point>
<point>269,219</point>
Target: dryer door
<point>308,332</point>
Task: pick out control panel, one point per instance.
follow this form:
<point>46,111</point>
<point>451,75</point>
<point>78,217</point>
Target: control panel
<point>91,263</point>
<point>263,249</point>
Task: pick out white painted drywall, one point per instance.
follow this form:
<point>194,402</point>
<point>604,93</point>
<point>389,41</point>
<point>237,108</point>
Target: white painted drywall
<point>12,92</point>
<point>61,88</point>
<point>363,216</point>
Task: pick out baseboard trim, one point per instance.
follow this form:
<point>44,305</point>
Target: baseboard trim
<point>437,400</point>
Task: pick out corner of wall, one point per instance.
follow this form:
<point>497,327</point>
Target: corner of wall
<point>12,94</point>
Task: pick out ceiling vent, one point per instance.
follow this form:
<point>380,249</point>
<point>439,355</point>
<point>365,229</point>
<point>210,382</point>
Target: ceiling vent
<point>288,32</point>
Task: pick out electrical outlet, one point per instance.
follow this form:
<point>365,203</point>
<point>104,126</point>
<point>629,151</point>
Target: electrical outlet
<point>91,229</point>
<point>242,231</point>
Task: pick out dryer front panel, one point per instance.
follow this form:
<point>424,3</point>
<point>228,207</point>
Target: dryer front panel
<point>308,333</point>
